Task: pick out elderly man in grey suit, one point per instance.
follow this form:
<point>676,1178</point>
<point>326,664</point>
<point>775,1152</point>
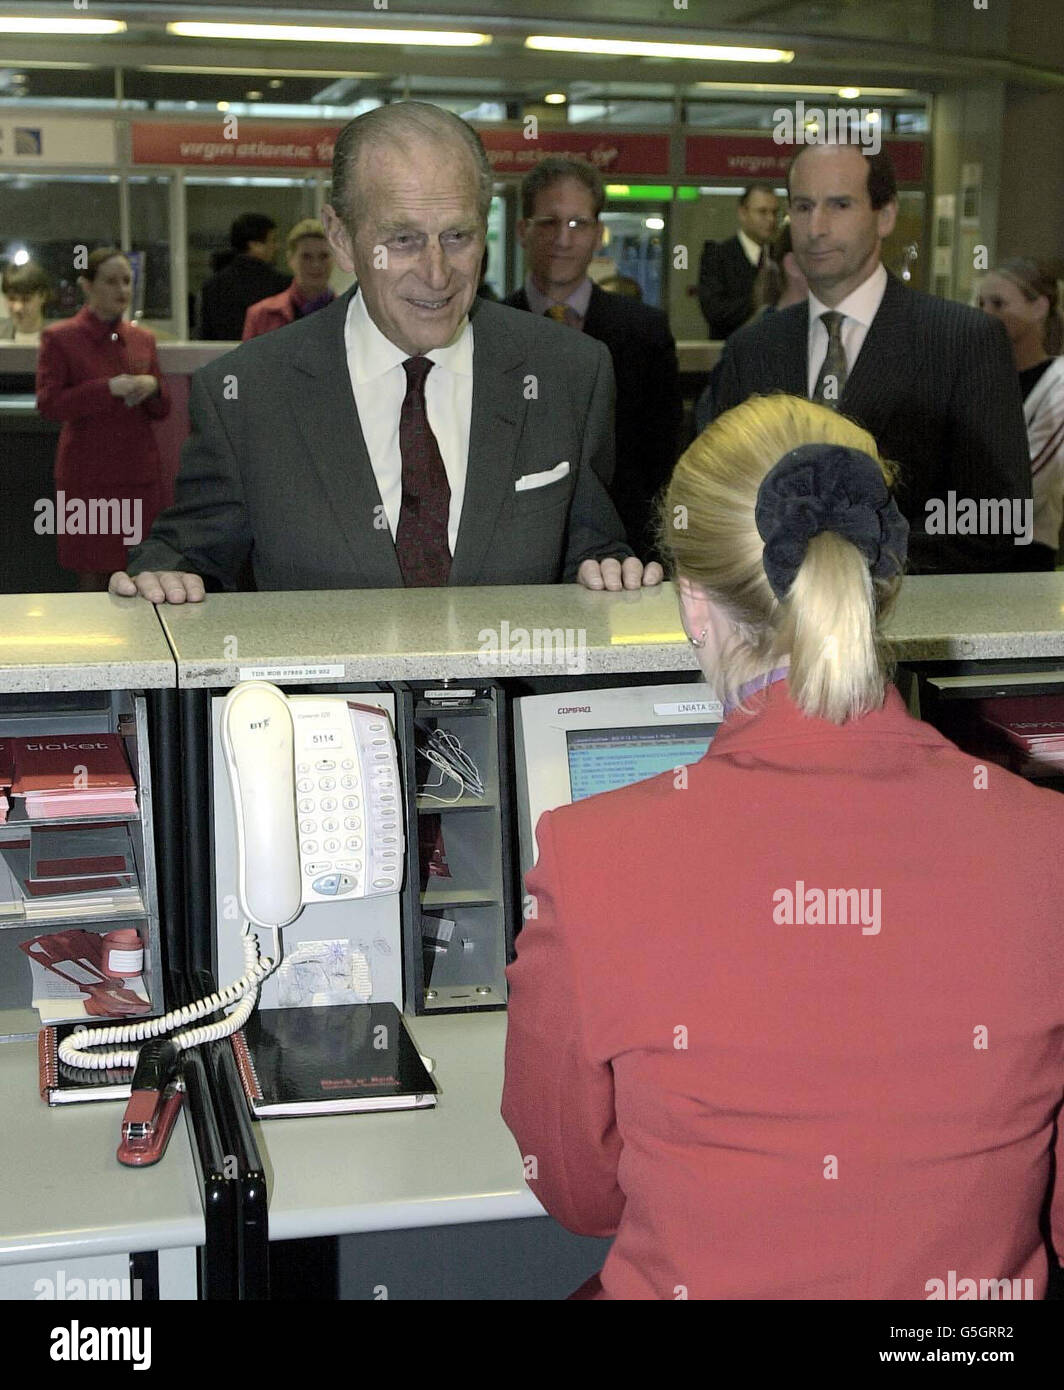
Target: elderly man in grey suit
<point>409,433</point>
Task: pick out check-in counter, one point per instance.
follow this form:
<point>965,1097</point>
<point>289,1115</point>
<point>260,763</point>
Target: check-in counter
<point>69,1205</point>
<point>457,1163</point>
<point>73,1222</point>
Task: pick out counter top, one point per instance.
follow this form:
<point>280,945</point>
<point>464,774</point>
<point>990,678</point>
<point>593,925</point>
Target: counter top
<point>98,642</point>
<point>554,630</point>
<point>425,634</point>
<point>81,642</point>
<point>66,1196</point>
<point>979,617</point>
<point>337,1174</point>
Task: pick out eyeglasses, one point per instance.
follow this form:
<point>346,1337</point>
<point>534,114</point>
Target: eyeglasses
<point>552,225</point>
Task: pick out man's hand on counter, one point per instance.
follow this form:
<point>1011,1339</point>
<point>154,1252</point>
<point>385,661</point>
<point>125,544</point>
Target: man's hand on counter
<point>611,574</point>
<point>174,586</point>
<point>167,586</point>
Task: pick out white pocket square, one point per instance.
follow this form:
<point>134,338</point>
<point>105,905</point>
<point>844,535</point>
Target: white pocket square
<point>541,479</point>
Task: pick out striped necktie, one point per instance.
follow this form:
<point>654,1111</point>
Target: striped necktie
<point>834,372</point>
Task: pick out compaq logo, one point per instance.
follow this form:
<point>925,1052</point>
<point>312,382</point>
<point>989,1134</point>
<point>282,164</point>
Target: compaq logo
<point>573,709</point>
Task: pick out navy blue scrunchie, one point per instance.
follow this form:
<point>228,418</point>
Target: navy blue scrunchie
<point>827,487</point>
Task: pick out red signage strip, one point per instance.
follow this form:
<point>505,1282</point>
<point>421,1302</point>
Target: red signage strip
<point>234,142</point>
<point>262,144</point>
<point>612,152</point>
<point>744,157</point>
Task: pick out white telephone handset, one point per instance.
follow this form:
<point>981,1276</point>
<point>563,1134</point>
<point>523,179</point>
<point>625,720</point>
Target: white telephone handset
<point>315,783</point>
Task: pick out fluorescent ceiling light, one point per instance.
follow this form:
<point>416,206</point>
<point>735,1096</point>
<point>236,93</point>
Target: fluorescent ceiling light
<point>305,33</point>
<point>849,93</point>
<point>200,70</point>
<point>9,24</point>
<point>632,48</point>
<point>808,87</point>
<point>555,98</point>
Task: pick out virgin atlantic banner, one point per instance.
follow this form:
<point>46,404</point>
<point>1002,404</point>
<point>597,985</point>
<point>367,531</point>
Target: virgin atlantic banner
<point>228,142</point>
<point>745,157</point>
<point>611,152</point>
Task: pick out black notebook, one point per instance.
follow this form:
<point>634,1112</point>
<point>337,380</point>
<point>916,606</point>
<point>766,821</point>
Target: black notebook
<point>330,1059</point>
<point>61,1085</point>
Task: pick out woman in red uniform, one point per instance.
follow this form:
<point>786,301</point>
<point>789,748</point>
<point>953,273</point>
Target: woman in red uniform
<point>789,1022</point>
<point>100,375</point>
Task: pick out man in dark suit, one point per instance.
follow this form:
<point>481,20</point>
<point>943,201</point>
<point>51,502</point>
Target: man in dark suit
<point>931,380</point>
<point>728,269</point>
<point>368,445</point>
<point>245,279</point>
<point>561,200</point>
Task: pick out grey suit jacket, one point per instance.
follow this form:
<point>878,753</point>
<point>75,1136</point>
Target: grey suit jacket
<point>276,467</point>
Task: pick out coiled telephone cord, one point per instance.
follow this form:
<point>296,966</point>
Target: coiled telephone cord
<point>245,990</point>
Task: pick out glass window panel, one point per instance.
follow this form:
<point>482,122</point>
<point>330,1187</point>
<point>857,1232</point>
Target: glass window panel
<point>149,224</point>
<point>49,215</point>
<point>211,206</point>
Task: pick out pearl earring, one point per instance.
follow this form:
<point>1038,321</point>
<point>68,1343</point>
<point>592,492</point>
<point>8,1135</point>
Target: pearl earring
<point>700,640</point>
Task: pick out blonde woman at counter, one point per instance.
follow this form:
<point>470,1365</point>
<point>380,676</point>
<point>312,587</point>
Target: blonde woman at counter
<point>789,1022</point>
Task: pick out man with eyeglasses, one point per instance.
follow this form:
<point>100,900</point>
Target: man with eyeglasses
<point>560,230</point>
<point>409,434</point>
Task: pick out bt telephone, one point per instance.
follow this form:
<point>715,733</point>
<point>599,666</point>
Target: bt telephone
<point>319,818</point>
<point>319,810</point>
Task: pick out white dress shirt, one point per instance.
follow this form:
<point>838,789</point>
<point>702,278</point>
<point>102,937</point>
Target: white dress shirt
<point>378,381</point>
<point>859,309</point>
<point>750,246</point>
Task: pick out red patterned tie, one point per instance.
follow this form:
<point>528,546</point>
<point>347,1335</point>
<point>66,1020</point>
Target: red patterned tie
<point>421,536</point>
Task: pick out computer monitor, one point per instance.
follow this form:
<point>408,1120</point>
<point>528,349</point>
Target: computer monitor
<point>580,742</point>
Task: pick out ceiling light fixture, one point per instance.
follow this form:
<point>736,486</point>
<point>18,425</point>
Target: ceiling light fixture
<point>11,24</point>
<point>636,48</point>
<point>305,33</point>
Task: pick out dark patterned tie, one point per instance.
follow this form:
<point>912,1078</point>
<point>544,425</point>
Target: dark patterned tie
<point>421,535</point>
<point>834,372</point>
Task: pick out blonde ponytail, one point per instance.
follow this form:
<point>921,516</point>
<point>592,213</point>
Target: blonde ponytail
<point>828,620</point>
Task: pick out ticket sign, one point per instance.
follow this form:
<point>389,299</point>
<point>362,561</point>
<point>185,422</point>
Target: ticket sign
<point>238,143</point>
<point>747,157</point>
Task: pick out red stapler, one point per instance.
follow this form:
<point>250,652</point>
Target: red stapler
<point>153,1105</point>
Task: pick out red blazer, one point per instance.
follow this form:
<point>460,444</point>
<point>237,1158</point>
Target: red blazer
<point>106,449</point>
<point>764,1108</point>
<point>271,313</point>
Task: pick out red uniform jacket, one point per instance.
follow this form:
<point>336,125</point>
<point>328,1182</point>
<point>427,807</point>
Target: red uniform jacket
<point>272,313</point>
<point>765,1105</point>
<point>107,451</point>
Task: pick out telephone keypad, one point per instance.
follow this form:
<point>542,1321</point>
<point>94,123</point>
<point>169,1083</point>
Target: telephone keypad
<point>333,876</point>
